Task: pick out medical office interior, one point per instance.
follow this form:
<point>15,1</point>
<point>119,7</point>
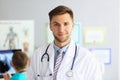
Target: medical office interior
<point>98,19</point>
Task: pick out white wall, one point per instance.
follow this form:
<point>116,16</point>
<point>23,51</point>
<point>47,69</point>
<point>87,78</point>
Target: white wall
<point>119,39</point>
<point>87,12</point>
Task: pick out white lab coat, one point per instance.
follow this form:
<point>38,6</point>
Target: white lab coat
<point>86,67</point>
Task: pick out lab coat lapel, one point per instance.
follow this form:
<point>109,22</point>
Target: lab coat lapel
<point>51,54</point>
<point>67,60</point>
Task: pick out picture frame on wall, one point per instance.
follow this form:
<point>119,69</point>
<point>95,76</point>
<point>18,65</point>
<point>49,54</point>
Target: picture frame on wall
<point>17,34</point>
<point>103,55</point>
<point>94,35</point>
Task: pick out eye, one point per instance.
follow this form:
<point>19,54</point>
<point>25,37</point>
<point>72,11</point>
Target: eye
<point>66,24</point>
<point>56,24</point>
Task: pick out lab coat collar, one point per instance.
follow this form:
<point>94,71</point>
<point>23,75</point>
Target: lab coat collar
<point>68,57</point>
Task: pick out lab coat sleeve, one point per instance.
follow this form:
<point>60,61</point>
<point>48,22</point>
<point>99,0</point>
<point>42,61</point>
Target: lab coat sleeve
<point>30,75</point>
<point>92,68</point>
<point>31,69</point>
<point>34,62</point>
<point>97,71</point>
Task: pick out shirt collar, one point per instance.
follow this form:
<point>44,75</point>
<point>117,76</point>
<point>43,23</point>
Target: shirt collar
<point>64,49</point>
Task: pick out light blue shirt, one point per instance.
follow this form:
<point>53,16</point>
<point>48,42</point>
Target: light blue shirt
<point>19,76</point>
<point>56,48</point>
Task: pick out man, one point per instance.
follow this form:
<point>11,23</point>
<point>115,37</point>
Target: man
<point>63,59</point>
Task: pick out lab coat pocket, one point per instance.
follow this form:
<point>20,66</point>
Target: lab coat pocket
<point>44,78</point>
<point>77,77</point>
<point>47,78</point>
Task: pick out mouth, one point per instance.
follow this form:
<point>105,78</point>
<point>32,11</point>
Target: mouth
<point>60,34</point>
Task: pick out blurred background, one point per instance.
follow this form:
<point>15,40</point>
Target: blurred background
<point>88,13</point>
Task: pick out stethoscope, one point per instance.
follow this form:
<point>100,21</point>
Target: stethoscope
<point>69,73</point>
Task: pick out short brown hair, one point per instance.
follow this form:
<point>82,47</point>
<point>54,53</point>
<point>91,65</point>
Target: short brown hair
<point>59,10</point>
<point>20,60</point>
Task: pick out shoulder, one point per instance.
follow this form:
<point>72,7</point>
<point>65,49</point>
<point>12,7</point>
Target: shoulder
<point>39,51</point>
<point>18,76</point>
<point>40,48</point>
<point>86,54</point>
<point>88,62</point>
<point>83,50</point>
<point>86,57</point>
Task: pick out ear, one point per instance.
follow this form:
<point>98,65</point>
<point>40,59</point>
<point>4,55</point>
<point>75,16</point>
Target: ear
<point>73,25</point>
<point>12,64</point>
<point>50,26</point>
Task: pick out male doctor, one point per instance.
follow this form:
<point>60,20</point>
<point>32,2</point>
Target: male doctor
<point>63,59</point>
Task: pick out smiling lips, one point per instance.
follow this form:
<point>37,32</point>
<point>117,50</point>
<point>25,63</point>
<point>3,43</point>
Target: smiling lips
<point>60,34</point>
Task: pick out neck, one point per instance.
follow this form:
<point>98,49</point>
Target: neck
<point>21,70</point>
<point>61,44</point>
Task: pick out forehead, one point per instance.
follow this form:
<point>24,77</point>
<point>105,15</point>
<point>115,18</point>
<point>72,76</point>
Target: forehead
<point>61,18</point>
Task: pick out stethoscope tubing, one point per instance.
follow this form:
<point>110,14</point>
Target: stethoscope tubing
<point>45,54</point>
<point>74,57</point>
<point>49,57</point>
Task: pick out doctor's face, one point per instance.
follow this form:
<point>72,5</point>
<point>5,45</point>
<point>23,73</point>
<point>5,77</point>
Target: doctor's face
<point>61,26</point>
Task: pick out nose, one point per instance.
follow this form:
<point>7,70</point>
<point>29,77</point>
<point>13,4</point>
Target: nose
<point>61,28</point>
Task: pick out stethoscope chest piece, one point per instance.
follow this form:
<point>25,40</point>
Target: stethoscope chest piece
<point>69,73</point>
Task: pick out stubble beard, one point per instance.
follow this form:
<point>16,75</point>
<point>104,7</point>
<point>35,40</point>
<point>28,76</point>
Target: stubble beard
<point>62,41</point>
